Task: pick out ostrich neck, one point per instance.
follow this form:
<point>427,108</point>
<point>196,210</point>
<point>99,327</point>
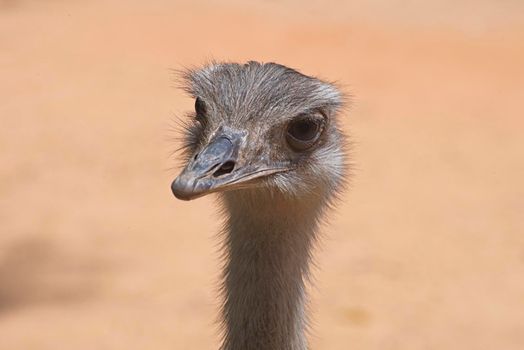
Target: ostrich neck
<point>268,253</point>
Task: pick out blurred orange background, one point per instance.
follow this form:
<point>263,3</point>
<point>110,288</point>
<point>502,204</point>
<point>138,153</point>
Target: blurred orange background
<point>426,251</point>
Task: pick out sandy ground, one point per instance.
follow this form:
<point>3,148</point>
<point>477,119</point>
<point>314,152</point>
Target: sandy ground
<point>425,252</point>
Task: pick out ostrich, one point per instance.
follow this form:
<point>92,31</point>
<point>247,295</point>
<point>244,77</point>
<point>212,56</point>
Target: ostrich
<point>265,137</point>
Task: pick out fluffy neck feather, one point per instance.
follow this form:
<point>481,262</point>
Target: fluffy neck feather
<point>268,243</point>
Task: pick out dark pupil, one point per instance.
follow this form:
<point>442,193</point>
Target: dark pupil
<point>304,130</point>
<point>200,107</point>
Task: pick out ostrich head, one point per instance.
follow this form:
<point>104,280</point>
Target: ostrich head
<point>261,127</point>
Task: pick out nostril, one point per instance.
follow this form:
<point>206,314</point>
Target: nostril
<point>226,168</point>
<point>195,157</point>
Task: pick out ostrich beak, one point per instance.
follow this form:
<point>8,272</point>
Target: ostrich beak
<point>217,167</point>
<point>202,172</point>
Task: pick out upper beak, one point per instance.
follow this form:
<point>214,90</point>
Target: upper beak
<point>217,167</point>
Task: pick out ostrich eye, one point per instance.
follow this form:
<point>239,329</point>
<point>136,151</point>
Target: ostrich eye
<point>303,132</point>
<point>200,109</point>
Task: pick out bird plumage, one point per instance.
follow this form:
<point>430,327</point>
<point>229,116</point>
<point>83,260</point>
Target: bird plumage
<point>267,139</point>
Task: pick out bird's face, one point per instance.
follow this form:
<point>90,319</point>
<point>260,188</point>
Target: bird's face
<point>260,126</point>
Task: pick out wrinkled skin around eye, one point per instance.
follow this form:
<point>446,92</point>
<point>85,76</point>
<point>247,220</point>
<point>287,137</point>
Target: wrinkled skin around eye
<point>304,132</point>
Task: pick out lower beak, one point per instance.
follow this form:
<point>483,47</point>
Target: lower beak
<point>216,168</point>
